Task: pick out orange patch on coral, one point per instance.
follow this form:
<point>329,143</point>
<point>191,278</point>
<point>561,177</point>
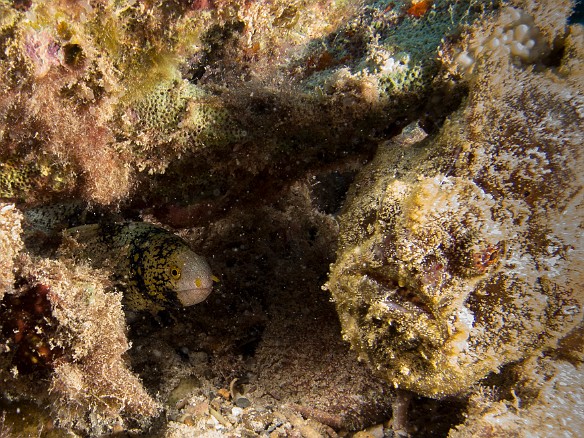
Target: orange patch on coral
<point>420,8</point>
<point>389,7</point>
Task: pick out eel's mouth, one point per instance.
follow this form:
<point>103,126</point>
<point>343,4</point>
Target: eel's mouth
<point>190,297</point>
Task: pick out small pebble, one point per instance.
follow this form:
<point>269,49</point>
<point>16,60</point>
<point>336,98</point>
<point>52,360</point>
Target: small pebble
<point>199,409</point>
<point>242,402</point>
<point>375,431</point>
<point>188,420</point>
<point>224,393</point>
<point>236,412</point>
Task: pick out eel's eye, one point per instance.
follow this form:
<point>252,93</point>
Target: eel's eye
<point>174,272</point>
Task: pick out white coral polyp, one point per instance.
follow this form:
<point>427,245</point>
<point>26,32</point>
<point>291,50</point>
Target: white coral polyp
<point>515,35</point>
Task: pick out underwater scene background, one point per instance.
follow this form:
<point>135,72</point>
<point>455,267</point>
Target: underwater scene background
<point>311,218</point>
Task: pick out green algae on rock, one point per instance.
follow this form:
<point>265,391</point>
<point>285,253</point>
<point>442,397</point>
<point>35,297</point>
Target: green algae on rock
<point>460,253</point>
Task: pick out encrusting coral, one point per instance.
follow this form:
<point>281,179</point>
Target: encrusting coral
<point>460,253</point>
<point>176,117</point>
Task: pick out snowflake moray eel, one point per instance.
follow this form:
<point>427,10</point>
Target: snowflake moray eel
<point>155,268</point>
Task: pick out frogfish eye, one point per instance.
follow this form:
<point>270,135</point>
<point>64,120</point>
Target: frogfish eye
<point>174,272</point>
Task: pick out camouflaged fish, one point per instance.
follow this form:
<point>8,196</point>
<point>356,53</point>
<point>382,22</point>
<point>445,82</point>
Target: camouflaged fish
<point>155,268</point>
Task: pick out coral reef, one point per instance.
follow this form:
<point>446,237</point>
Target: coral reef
<point>72,72</point>
<point>428,149</point>
<point>58,104</point>
<point>108,91</point>
<point>459,253</point>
